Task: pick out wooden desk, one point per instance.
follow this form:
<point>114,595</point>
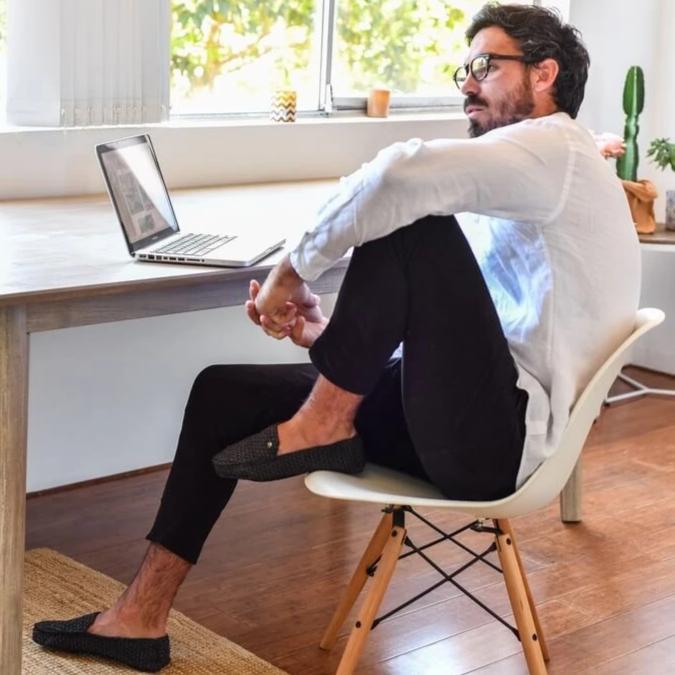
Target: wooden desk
<point>64,263</point>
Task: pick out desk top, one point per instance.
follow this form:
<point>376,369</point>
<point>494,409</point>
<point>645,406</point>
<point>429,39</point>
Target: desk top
<point>58,249</point>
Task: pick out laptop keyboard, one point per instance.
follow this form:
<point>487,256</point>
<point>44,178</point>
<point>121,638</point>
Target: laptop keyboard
<point>194,244</point>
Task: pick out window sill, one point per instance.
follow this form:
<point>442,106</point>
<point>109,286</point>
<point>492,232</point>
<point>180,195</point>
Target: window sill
<point>194,152</point>
<point>254,120</point>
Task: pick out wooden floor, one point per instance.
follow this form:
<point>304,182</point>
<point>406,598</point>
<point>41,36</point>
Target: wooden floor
<point>271,572</point>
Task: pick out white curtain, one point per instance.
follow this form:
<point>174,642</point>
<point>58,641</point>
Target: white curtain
<point>87,62</point>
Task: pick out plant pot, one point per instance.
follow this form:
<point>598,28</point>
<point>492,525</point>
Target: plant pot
<point>284,104</point>
<point>670,209</point>
<point>641,195</point>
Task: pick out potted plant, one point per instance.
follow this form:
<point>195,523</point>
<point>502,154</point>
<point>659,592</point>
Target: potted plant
<point>640,193</point>
<point>283,105</point>
<point>662,153</point>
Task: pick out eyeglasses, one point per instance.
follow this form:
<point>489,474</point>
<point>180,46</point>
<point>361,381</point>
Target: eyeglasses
<point>479,66</point>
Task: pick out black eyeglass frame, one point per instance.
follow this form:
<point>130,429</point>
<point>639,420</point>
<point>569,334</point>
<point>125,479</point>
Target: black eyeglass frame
<point>468,68</point>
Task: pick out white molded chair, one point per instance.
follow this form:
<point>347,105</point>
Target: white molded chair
<point>400,493</point>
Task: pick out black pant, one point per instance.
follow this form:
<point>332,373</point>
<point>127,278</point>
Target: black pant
<point>448,411</point>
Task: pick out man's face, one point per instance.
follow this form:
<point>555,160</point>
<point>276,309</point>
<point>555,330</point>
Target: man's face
<point>505,95</point>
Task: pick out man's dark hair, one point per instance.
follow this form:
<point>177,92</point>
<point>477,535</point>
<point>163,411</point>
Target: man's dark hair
<point>542,34</point>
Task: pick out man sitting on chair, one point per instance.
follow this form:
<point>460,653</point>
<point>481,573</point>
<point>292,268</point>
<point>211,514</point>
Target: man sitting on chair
<point>501,321</point>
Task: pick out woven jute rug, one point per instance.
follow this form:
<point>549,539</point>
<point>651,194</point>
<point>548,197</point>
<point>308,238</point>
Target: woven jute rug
<point>57,587</point>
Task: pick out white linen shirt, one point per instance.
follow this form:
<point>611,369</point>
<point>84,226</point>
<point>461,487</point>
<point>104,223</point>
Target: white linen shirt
<point>552,234</point>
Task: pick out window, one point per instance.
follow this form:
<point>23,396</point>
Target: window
<point>230,57</point>
<point>409,46</point>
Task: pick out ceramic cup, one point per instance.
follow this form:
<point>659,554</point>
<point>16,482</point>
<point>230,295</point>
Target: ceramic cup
<point>378,103</point>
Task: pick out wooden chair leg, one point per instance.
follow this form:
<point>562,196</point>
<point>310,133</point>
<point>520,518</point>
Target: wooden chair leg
<point>366,615</point>
<point>373,551</point>
<point>505,526</point>
<point>570,497</point>
<point>513,577</point>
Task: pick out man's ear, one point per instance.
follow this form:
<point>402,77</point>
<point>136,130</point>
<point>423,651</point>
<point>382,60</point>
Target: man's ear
<point>544,75</point>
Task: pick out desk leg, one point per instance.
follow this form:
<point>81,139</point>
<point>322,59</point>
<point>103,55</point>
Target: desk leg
<point>13,435</point>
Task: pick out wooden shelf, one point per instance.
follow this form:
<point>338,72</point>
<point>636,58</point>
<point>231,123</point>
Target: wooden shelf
<point>661,236</point>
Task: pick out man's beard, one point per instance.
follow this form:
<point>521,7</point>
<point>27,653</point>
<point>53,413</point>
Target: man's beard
<point>515,108</point>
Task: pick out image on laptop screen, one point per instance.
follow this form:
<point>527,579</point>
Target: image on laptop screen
<point>139,192</point>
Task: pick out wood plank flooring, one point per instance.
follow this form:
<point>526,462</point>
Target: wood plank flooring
<point>276,561</point>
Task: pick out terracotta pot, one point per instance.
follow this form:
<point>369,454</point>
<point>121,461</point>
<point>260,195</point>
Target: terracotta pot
<point>641,195</point>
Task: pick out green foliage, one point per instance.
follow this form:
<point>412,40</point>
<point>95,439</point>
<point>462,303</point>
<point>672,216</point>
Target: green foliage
<point>662,153</point>
<point>633,104</point>
<point>212,37</point>
<point>387,41</point>
<point>381,41</point>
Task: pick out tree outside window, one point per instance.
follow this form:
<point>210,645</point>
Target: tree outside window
<point>229,55</point>
<point>409,46</point>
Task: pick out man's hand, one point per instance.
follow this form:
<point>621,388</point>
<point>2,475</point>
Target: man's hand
<point>285,307</point>
<point>283,285</point>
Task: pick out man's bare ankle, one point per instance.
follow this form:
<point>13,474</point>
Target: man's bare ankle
<point>126,622</point>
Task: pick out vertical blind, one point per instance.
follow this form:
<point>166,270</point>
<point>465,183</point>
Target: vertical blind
<point>88,62</point>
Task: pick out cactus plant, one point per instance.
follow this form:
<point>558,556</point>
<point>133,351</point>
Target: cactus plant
<point>633,103</point>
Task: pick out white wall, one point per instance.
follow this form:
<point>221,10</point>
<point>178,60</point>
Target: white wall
<point>56,162</point>
<point>619,34</point>
<point>109,398</point>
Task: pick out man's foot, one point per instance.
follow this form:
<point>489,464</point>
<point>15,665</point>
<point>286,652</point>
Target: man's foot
<point>301,432</point>
<point>256,458</point>
<point>144,654</point>
<point>114,623</point>
<point>320,436</point>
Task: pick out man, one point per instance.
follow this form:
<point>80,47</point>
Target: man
<point>499,333</point>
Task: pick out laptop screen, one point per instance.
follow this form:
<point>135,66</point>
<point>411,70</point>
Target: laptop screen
<point>137,190</point>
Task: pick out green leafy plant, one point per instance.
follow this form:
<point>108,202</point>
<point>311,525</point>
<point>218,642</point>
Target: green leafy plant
<point>633,103</point>
<point>662,153</point>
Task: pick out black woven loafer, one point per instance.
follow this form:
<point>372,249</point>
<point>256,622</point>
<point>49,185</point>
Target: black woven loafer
<point>255,458</point>
<point>145,654</point>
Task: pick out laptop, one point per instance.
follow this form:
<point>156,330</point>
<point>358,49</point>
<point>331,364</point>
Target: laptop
<point>139,195</point>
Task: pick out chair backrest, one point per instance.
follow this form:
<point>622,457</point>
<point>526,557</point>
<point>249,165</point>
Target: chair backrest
<point>550,478</point>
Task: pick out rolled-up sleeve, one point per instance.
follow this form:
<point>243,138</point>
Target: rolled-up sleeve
<point>515,172</point>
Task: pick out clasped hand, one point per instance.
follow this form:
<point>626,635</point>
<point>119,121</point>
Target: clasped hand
<point>284,306</point>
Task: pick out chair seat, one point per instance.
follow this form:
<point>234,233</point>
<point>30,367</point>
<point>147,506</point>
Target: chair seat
<point>379,485</point>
